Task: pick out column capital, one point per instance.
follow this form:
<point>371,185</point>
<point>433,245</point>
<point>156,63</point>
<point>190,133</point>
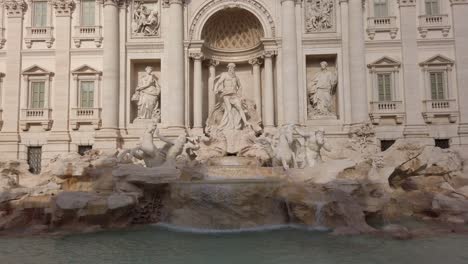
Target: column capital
<point>255,61</point>
<point>111,2</point>
<point>295,1</point>
<point>15,8</point>
<point>63,7</point>
<point>458,2</point>
<point>168,3</point>
<point>270,53</point>
<point>212,63</point>
<point>407,3</point>
<point>343,1</point>
<point>196,55</point>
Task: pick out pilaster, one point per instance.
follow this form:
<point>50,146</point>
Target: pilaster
<point>415,126</point>
<point>108,137</point>
<point>9,136</point>
<point>289,62</point>
<point>59,139</point>
<point>460,27</point>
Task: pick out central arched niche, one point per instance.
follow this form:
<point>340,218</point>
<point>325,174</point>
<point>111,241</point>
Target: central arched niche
<point>232,30</point>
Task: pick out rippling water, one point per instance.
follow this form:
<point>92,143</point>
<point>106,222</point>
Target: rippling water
<point>280,246</point>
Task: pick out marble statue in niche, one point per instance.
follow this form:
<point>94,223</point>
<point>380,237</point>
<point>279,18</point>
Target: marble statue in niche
<point>321,90</point>
<point>147,95</point>
<point>319,15</point>
<point>146,20</point>
<point>233,116</point>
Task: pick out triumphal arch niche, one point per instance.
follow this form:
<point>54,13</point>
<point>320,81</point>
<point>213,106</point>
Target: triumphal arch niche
<point>233,53</point>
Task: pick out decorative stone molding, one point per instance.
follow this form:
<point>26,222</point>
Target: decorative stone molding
<point>63,7</point>
<point>458,2</point>
<point>196,55</point>
<point>167,3</point>
<point>319,16</point>
<point>270,53</point>
<point>111,2</point>
<point>211,7</point>
<point>404,3</point>
<point>15,8</point>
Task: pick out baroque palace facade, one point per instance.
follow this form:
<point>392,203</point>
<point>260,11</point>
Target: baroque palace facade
<point>81,74</point>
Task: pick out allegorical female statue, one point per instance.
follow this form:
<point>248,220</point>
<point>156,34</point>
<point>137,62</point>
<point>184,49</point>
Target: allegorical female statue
<point>320,90</point>
<point>147,96</point>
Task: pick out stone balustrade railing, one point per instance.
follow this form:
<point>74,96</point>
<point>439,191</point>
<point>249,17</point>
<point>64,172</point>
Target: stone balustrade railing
<point>45,34</point>
<point>387,109</point>
<point>85,116</point>
<point>440,108</point>
<point>39,116</point>
<point>434,22</point>
<point>88,33</point>
<point>382,24</point>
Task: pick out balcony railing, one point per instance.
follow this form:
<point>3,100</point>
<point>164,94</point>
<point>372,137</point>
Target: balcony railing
<point>39,34</point>
<point>40,116</point>
<point>434,22</point>
<point>89,33</point>
<point>448,108</point>
<point>387,109</point>
<point>85,116</point>
<point>382,24</point>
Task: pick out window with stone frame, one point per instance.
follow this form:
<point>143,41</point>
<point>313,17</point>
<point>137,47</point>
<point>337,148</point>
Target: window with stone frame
<point>380,8</point>
<point>385,86</point>
<point>86,96</point>
<point>385,78</point>
<point>432,7</point>
<point>437,77</point>
<point>438,83</point>
<point>37,95</point>
<point>88,12</point>
<point>39,13</point>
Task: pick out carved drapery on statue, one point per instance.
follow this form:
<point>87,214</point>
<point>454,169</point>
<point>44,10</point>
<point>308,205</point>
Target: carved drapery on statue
<point>146,19</point>
<point>319,15</point>
<point>233,115</point>
<point>147,96</point>
<point>321,90</point>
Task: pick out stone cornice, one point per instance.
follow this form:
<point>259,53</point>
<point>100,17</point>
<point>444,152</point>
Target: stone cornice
<point>15,8</point>
<point>403,3</point>
<point>458,2</point>
<point>63,7</point>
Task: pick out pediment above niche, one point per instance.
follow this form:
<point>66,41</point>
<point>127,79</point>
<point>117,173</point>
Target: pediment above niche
<point>36,70</point>
<point>384,62</point>
<point>86,69</point>
<point>437,60</point>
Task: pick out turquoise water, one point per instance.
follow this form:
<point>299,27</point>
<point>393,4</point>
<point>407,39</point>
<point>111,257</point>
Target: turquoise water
<point>283,246</point>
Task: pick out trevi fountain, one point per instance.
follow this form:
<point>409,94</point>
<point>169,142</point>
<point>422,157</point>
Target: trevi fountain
<point>243,131</point>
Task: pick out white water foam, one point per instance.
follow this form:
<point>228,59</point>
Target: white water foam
<point>185,229</point>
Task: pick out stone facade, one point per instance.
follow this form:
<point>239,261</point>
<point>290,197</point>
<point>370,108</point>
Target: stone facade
<point>80,77</point>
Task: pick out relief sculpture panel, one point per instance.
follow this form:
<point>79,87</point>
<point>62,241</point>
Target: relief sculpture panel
<point>146,19</point>
<point>319,16</point>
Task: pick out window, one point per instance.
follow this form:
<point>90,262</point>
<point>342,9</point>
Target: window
<point>437,81</point>
<point>380,8</point>
<point>34,159</point>
<point>385,86</point>
<point>39,18</point>
<point>386,144</point>
<point>83,149</point>
<point>87,94</point>
<point>442,143</point>
<point>37,95</point>
<point>87,12</point>
<point>432,7</point>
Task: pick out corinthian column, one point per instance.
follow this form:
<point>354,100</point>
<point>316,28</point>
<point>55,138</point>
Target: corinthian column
<point>174,115</point>
<point>357,63</point>
<point>9,137</point>
<point>211,95</point>
<point>460,31</point>
<point>59,138</point>
<point>268,109</point>
<point>197,90</point>
<point>257,84</point>
<point>289,62</point>
<point>107,138</point>
<point>415,126</point>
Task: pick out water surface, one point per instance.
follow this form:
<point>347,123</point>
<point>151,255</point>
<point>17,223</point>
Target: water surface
<point>279,246</point>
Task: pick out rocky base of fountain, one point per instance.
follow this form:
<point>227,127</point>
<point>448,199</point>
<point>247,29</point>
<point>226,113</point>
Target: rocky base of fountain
<point>82,193</point>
